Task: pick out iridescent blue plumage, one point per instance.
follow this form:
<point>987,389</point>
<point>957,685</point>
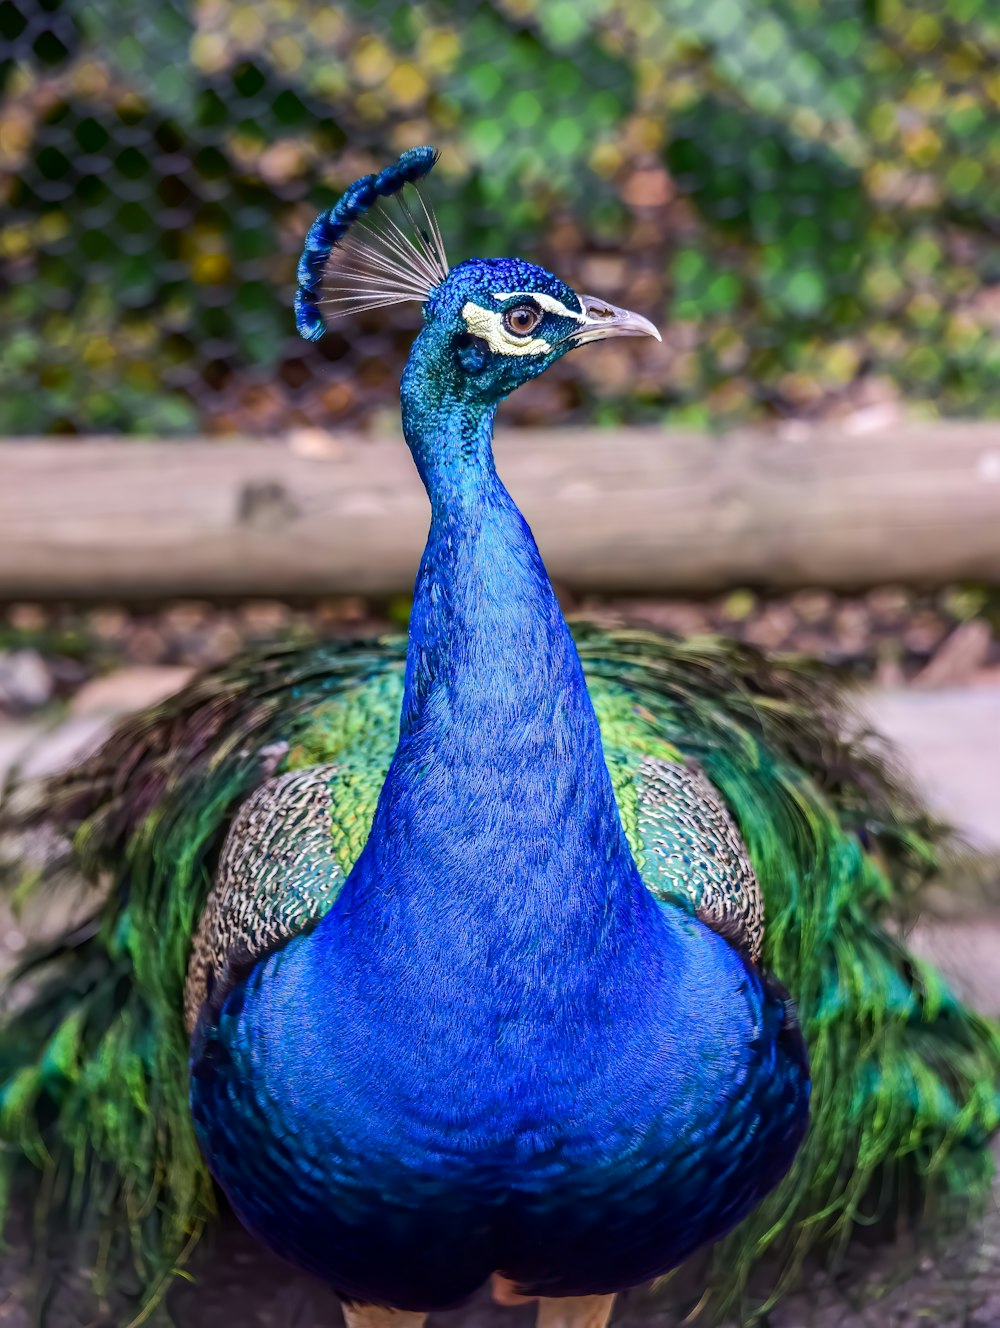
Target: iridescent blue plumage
<point>423,1127</point>
<point>497,1050</point>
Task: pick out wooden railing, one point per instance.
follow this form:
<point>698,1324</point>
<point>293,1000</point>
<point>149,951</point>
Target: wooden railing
<point>636,509</point>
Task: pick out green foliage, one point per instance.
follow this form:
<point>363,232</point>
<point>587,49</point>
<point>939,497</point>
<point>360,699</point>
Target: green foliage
<point>805,191</point>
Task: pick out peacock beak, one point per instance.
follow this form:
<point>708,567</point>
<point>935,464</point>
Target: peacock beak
<point>601,320</point>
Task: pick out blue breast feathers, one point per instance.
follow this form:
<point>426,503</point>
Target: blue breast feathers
<point>420,1117</point>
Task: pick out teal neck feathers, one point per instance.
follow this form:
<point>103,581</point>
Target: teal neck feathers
<point>498,789</point>
<point>500,765</point>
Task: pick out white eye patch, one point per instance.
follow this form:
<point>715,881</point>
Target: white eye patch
<point>547,302</point>
<point>488,324</point>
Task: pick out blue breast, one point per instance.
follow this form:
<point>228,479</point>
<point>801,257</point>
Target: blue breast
<point>405,1119</point>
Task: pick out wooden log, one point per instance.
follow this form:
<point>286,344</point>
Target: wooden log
<point>613,510</point>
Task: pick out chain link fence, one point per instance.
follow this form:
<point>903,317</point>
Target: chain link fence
<point>805,194</point>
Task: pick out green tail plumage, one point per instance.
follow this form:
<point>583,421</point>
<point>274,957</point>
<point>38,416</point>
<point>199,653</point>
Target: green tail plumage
<point>93,1067</point>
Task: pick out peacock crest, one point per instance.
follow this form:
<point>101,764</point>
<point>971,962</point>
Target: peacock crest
<point>359,256</point>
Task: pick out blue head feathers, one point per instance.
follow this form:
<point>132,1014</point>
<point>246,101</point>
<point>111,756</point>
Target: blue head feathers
<point>356,259</point>
<point>489,324</point>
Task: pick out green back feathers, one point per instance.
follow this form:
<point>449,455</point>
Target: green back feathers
<point>93,1067</point>
<point>357,733</point>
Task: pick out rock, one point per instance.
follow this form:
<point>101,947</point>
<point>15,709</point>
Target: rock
<point>346,609</point>
<point>812,606</point>
<point>129,689</point>
<point>186,617</point>
<point>988,1314</point>
<point>949,743</point>
<point>889,673</point>
<point>15,740</point>
<point>889,605</point>
<point>63,746</point>
<point>772,627</point>
<point>25,681</point>
<point>109,623</point>
<point>685,617</point>
<point>264,618</point>
<point>146,645</point>
<point>924,632</point>
<point>67,673</point>
<point>967,951</point>
<point>965,651</point>
<point>222,640</point>
<point>26,617</point>
<point>851,627</point>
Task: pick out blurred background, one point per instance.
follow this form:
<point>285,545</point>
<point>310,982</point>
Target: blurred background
<point>803,194</point>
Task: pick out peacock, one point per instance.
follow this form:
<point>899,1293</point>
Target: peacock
<point>513,950</point>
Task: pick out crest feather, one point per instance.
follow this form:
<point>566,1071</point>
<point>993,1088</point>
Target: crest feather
<point>357,256</point>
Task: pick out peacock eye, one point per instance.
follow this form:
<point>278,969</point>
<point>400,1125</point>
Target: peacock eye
<point>522,320</point>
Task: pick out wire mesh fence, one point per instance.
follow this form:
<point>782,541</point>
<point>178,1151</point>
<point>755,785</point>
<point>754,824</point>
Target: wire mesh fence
<point>804,193</point>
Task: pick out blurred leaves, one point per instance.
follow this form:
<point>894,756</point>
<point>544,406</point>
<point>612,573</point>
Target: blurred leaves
<point>805,192</point>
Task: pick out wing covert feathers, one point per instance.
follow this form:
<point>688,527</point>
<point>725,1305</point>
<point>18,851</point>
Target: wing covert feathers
<point>690,849</point>
<point>277,875</point>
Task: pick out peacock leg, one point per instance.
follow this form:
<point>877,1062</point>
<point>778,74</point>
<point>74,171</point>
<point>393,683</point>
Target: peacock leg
<point>380,1316</point>
<point>505,1292</point>
<point>574,1312</point>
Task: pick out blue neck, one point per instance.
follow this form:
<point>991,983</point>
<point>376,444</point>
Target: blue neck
<point>497,814</point>
<point>487,641</point>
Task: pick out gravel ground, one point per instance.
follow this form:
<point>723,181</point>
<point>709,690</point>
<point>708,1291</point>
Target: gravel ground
<point>891,634</point>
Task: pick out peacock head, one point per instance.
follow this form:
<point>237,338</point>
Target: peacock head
<point>502,321</point>
<point>489,325</point>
